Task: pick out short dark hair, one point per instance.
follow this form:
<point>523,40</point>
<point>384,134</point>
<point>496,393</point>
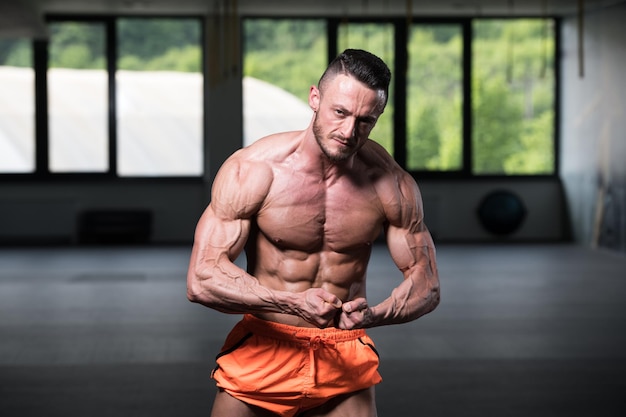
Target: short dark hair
<point>362,65</point>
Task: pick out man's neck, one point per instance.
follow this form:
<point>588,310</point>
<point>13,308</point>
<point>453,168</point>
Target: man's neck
<point>315,161</point>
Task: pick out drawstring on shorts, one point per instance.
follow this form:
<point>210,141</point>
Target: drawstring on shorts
<point>313,344</point>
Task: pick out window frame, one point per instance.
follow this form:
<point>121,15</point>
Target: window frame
<point>40,65</point>
<point>399,80</point>
<point>401,28</point>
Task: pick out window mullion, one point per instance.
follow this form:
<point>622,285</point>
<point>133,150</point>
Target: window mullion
<point>400,96</point>
<point>467,168</point>
<point>40,61</point>
<point>111,55</point>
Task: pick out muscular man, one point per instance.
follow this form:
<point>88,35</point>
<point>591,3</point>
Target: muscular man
<point>306,206</point>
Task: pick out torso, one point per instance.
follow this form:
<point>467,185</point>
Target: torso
<point>313,231</point>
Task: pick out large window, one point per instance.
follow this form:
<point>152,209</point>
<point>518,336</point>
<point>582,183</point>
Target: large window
<point>77,98</point>
<point>159,97</point>
<point>469,97</point>
<point>434,99</point>
<point>282,60</point>
<point>121,97</point>
<point>513,97</point>
<point>17,107</point>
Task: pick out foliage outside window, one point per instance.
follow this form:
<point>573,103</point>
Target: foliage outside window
<point>512,87</point>
<point>434,140</point>
<point>513,97</point>
<point>158,88</point>
<point>282,59</point>
<point>17,107</point>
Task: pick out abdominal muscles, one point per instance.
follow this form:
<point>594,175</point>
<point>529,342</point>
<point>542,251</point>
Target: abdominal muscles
<point>297,270</point>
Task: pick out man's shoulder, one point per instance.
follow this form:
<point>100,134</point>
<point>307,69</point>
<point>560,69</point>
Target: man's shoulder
<point>254,164</point>
<point>270,148</point>
<point>378,161</point>
<point>389,178</point>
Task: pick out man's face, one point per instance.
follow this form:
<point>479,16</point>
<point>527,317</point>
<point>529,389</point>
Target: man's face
<point>346,112</point>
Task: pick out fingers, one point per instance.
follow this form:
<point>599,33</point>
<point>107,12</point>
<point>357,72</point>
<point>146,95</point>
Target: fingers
<point>332,300</point>
<point>355,314</point>
<point>354,305</point>
<point>322,307</point>
<point>328,300</point>
<point>325,309</point>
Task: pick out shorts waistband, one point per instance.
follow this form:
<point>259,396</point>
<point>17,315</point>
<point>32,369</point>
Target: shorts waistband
<point>288,332</point>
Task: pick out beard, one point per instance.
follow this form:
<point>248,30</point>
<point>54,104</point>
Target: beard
<point>338,156</point>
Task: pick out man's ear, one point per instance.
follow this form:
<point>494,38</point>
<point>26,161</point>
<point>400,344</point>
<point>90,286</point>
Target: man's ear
<point>314,98</point>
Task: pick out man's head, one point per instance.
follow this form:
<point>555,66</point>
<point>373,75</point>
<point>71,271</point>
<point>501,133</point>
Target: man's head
<point>362,65</point>
<point>351,95</point>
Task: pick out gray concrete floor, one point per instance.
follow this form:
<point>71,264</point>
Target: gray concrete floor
<point>522,330</point>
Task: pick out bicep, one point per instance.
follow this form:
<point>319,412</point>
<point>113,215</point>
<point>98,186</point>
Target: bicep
<point>409,241</point>
<point>238,191</point>
<point>215,240</point>
<point>221,236</point>
<point>411,248</point>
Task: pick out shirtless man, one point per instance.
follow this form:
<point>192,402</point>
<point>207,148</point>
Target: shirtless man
<point>307,207</point>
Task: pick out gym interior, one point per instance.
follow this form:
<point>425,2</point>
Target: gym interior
<point>94,319</point>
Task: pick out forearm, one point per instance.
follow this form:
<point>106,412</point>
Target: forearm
<point>416,296</point>
<point>227,288</point>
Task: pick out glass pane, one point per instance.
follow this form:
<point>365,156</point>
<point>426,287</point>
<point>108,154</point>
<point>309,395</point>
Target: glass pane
<point>434,98</point>
<point>77,98</point>
<point>377,38</point>
<point>283,58</point>
<point>513,97</point>
<point>17,107</point>
<point>159,97</point>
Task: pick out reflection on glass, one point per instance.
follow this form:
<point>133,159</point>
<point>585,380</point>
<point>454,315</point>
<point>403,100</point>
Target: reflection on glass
<point>378,39</point>
<point>434,98</point>
<point>513,97</point>
<point>282,59</point>
<point>159,97</point>
<point>77,98</point>
<point>17,107</point>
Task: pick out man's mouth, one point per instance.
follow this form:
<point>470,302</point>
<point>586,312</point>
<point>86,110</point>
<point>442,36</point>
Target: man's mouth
<point>342,141</point>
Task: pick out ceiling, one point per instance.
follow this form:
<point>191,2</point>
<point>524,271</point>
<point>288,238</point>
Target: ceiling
<point>24,17</point>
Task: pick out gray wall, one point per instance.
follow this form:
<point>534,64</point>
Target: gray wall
<point>593,123</point>
<point>451,210</point>
<point>51,212</point>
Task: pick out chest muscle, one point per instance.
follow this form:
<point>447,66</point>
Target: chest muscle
<point>312,216</point>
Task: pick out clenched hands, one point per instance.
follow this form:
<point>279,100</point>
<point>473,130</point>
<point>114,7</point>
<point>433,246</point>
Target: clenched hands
<point>324,309</point>
<point>354,314</point>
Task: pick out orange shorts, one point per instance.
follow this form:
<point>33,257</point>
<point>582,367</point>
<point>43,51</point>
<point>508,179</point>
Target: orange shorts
<point>287,369</point>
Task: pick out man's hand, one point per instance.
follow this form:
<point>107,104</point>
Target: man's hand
<point>319,307</point>
<point>354,314</point>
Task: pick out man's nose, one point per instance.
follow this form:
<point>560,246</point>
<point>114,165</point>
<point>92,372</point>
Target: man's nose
<point>348,127</point>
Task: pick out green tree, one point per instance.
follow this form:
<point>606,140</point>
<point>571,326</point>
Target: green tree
<point>77,45</point>
<point>497,125</point>
<point>513,90</point>
<point>434,127</point>
<point>150,38</point>
<point>15,53</point>
<point>424,147</point>
<point>275,51</point>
